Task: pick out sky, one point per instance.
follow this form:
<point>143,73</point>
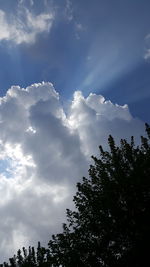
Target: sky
<point>72,72</point>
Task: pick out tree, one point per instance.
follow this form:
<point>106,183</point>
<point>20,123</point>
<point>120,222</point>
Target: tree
<point>30,258</point>
<point>110,226</point>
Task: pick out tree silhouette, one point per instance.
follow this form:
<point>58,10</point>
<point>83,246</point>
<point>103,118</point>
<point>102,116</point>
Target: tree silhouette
<point>111,223</point>
<point>30,258</point>
<point>110,226</point>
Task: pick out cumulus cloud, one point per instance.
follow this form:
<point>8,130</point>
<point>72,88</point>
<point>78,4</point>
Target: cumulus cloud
<point>24,26</point>
<point>44,151</point>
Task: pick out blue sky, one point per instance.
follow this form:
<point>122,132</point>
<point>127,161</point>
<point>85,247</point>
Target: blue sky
<point>93,46</point>
<point>68,67</point>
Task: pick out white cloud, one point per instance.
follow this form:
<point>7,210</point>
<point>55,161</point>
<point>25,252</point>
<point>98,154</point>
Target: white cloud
<point>47,151</point>
<point>24,26</point>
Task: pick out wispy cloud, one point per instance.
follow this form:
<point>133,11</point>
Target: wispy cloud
<point>24,26</point>
<point>79,28</point>
<point>147,47</point>
<point>69,10</point>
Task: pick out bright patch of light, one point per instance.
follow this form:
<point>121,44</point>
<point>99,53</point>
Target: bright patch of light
<point>13,161</point>
<point>5,167</point>
<point>31,130</point>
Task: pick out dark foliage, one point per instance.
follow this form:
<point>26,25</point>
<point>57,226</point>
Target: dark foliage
<point>110,226</point>
<point>30,258</point>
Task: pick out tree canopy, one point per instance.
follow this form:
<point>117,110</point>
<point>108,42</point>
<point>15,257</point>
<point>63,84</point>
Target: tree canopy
<point>110,225</point>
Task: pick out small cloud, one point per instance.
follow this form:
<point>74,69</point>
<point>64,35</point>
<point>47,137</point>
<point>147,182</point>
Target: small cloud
<point>147,55</point>
<point>78,29</point>
<point>89,58</point>
<point>31,2</point>
<point>69,11</point>
<point>147,47</point>
<point>24,26</point>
